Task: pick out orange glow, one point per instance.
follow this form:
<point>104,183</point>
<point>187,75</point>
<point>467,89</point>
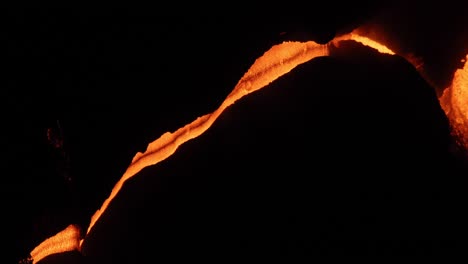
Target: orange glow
<point>277,61</point>
<point>65,240</point>
<point>366,42</point>
<point>274,63</point>
<point>454,101</point>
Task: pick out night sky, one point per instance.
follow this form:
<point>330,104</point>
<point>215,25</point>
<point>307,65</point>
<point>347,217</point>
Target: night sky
<point>346,155</point>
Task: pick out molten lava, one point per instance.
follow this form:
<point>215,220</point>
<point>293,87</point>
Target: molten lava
<point>277,61</point>
<point>454,101</point>
<point>366,42</point>
<point>66,240</point>
<point>274,63</point>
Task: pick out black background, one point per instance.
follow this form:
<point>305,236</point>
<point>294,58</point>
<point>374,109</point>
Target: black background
<point>345,155</point>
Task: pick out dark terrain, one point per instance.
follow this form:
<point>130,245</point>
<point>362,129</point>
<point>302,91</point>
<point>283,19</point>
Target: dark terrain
<point>345,155</point>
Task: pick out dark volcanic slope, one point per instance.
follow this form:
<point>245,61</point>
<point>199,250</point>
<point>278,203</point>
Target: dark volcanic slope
<point>321,140</point>
<point>343,156</point>
<point>87,76</point>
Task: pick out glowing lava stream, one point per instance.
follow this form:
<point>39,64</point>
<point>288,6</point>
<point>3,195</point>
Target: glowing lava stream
<point>364,41</point>
<point>277,61</point>
<point>454,101</point>
<point>65,240</point>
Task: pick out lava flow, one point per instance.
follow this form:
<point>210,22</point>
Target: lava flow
<point>454,101</point>
<point>365,41</point>
<point>277,61</point>
<point>66,240</point>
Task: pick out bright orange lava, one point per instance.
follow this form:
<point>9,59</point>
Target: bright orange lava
<point>366,42</point>
<point>66,240</point>
<point>277,61</point>
<point>454,101</point>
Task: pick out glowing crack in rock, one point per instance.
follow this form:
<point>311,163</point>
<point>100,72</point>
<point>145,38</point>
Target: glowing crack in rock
<point>454,101</point>
<point>274,63</point>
